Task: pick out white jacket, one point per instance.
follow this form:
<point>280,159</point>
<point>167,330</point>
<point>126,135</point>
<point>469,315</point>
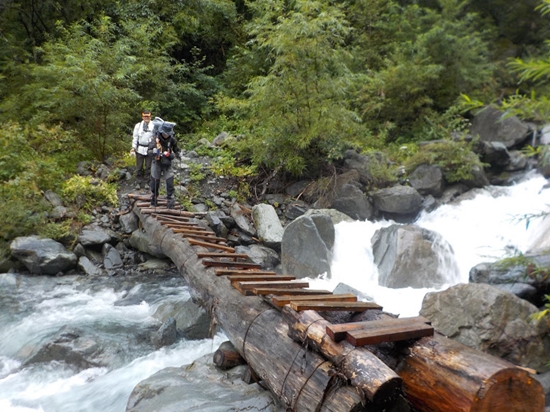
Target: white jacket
<point>141,139</point>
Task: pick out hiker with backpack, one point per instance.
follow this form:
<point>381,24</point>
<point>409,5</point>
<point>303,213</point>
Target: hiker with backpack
<point>164,148</point>
<point>142,136</point>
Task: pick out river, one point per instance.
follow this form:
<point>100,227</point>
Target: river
<point>34,308</point>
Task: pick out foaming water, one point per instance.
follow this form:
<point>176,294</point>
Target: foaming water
<point>486,228</point>
<point>35,312</point>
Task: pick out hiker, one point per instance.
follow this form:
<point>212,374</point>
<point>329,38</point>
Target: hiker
<point>164,148</point>
<point>143,134</point>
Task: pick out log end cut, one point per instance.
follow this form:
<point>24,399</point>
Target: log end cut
<point>511,390</point>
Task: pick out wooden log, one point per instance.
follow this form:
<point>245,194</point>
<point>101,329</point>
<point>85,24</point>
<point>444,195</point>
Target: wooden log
<point>364,369</point>
<point>300,379</point>
<point>440,374</point>
<point>335,306</point>
<point>227,357</point>
<point>280,301</point>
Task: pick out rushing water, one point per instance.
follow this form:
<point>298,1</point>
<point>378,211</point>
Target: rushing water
<point>33,309</point>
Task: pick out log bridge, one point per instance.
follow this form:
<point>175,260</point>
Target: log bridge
<point>281,329</point>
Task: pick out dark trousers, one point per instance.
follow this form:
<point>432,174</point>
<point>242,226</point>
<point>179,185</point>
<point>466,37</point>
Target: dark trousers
<point>158,174</point>
<point>143,160</point>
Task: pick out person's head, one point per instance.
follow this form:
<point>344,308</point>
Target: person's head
<point>166,130</point>
<point>146,116</point>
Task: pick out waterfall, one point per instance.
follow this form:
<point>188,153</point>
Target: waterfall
<point>487,226</point>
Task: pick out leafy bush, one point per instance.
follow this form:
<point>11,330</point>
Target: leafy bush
<point>86,192</point>
<point>455,158</point>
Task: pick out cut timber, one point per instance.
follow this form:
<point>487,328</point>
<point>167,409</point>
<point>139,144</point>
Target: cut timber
<point>286,284</point>
<point>184,225</point>
<point>259,278</point>
<point>384,332</point>
<point>208,238</point>
<point>227,357</point>
<point>334,306</point>
<point>363,368</point>
<point>171,212</point>
<point>289,292</point>
<point>338,332</point>
<point>222,255</point>
<point>233,264</point>
<point>440,374</point>
<point>175,219</point>
<point>194,231</point>
<point>224,272</point>
<point>210,245</point>
<point>280,301</point>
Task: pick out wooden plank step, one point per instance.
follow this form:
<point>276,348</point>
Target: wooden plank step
<point>229,263</point>
<point>259,278</point>
<point>210,245</point>
<point>338,332</point>
<point>207,238</point>
<point>284,284</point>
<point>222,255</point>
<point>194,231</point>
<point>224,272</point>
<point>171,219</point>
<point>280,301</point>
<point>182,225</point>
<point>169,212</point>
<point>334,306</point>
<point>388,333</point>
<point>287,292</point>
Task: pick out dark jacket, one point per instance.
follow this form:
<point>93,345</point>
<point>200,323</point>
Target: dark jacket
<point>169,144</point>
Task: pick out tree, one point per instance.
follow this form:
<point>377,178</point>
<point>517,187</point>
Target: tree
<point>298,112</point>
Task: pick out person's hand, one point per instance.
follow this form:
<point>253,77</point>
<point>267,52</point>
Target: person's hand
<point>132,152</point>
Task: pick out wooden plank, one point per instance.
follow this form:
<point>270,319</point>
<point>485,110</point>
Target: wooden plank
<point>258,278</point>
<point>196,242</point>
<point>182,225</point>
<point>389,333</point>
<point>172,219</point>
<point>285,284</point>
<point>338,332</point>
<point>288,292</point>
<point>203,237</point>
<point>166,211</point>
<point>280,301</point>
<point>229,263</point>
<point>224,272</point>
<point>195,231</point>
<point>334,306</point>
<point>223,255</point>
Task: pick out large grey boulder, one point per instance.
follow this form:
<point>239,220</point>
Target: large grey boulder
<point>428,180</point>
<point>306,249</point>
<point>268,226</point>
<point>191,319</point>
<point>94,236</point>
<point>397,201</point>
<point>241,216</point>
<point>494,321</point>
<point>262,255</point>
<point>410,256</point>
<point>490,126</point>
<point>351,201</point>
<point>42,256</point>
<point>200,387</point>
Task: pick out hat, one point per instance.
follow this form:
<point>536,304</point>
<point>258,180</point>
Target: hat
<point>167,128</point>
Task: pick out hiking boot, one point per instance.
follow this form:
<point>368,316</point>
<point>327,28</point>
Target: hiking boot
<point>171,204</point>
<point>153,202</point>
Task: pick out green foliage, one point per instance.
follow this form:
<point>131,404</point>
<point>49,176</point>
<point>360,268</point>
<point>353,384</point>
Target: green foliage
<point>196,173</point>
<point>226,165</point>
<point>86,192</point>
<point>455,158</point>
<point>298,113</point>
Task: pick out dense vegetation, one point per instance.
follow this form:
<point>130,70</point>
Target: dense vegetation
<point>299,82</point>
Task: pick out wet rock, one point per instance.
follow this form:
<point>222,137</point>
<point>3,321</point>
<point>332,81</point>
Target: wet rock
<point>42,256</point>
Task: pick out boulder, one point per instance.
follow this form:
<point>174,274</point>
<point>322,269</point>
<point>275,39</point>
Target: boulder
<point>397,201</point>
<point>42,256</point>
<point>410,256</point>
<point>491,320</point>
<point>428,180</point>
<point>306,248</point>
<point>491,126</point>
<point>268,226</point>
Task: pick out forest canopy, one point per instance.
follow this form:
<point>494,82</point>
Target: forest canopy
<point>300,82</point>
